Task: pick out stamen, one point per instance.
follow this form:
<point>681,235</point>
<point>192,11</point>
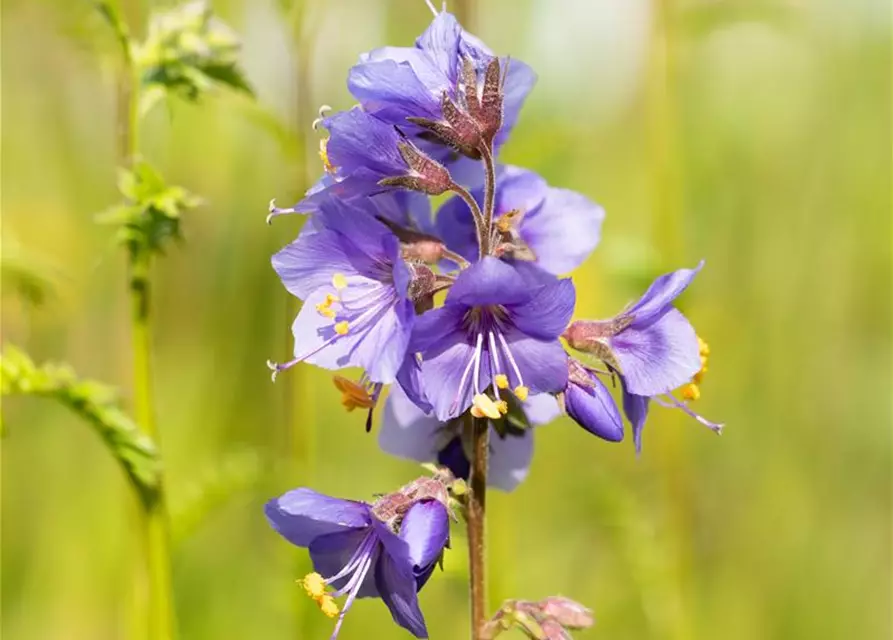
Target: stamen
<point>341,328</point>
<point>324,156</point>
<point>276,211</point>
<point>321,115</point>
<point>314,584</point>
<point>353,395</point>
<point>431,6</point>
<point>324,310</point>
<point>511,359</point>
<point>503,406</point>
<point>462,382</point>
<point>674,403</point>
<point>483,405</point>
<point>521,392</point>
<point>501,380</point>
<point>494,362</point>
<point>690,391</point>
<point>339,281</point>
<point>703,347</point>
<point>328,606</point>
<point>477,363</point>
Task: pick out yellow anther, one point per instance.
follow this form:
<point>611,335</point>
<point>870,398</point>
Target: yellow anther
<point>328,606</point>
<point>339,281</point>
<point>521,392</point>
<point>353,395</point>
<point>703,347</point>
<point>501,380</point>
<point>690,391</point>
<point>324,310</point>
<point>324,155</point>
<point>342,327</point>
<point>484,406</point>
<point>314,584</point>
<point>507,221</point>
<point>503,406</point>
<point>699,376</point>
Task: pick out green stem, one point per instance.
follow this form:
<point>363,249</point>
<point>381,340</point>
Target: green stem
<point>476,520</point>
<point>160,612</point>
<point>159,609</point>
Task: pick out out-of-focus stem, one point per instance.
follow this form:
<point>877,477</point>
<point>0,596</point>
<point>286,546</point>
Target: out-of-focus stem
<point>160,613</point>
<point>300,392</point>
<point>476,521</point>
<point>158,609</point>
<point>667,187</point>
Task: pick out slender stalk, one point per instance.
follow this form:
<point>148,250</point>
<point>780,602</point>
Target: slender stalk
<point>476,520</point>
<point>489,193</point>
<point>481,228</point>
<point>159,609</point>
<point>160,612</point>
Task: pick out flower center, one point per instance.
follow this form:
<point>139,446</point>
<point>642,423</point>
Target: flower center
<point>486,327</point>
<point>351,310</point>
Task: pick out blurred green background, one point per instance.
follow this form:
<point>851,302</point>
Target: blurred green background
<point>754,134</point>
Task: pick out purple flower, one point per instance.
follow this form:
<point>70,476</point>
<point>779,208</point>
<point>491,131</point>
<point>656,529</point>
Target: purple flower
<point>387,550</point>
<point>409,432</point>
<point>499,324</point>
<point>347,267</point>
<point>363,157</point>
<point>396,83</point>
<point>651,345</point>
<point>589,403</point>
<point>557,228</point>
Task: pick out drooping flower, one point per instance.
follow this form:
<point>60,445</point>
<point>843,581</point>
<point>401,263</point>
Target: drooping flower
<point>651,345</point>
<point>589,403</point>
<point>499,325</point>
<point>384,550</point>
<point>439,80</point>
<point>409,432</point>
<point>557,228</point>
<point>358,311</point>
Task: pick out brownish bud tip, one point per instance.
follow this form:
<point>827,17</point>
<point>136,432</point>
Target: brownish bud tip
<point>567,612</point>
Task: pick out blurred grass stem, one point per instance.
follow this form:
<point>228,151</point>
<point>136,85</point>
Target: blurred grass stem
<point>159,611</point>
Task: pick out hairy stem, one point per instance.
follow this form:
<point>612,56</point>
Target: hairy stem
<point>481,229</point>
<point>489,193</point>
<point>476,520</point>
<point>159,611</point>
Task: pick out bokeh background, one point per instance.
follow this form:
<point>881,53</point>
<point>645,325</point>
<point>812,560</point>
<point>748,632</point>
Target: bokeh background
<point>752,133</point>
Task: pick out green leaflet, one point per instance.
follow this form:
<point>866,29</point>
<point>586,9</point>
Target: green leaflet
<point>151,211</point>
<point>94,402</point>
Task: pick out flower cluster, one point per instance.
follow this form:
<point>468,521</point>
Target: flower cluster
<point>499,345</point>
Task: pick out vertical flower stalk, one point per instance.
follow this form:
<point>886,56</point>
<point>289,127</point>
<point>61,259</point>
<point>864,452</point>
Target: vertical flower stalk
<point>476,524</point>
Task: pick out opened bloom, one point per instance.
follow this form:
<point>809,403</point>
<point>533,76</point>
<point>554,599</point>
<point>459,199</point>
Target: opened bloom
<point>385,550</point>
<point>556,228</point>
<point>499,325</point>
<point>651,345</point>
<point>357,311</point>
<point>446,65</point>
<point>409,432</point>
